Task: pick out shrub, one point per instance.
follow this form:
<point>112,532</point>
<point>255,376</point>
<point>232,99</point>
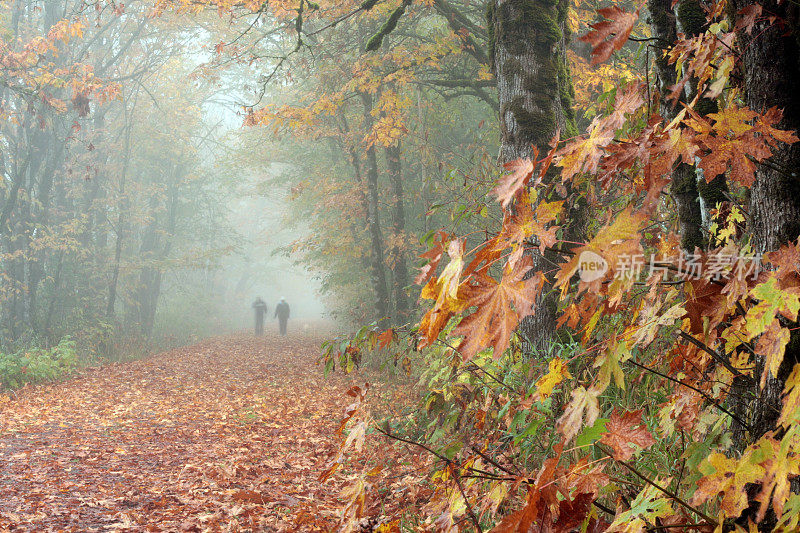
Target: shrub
<point>35,365</point>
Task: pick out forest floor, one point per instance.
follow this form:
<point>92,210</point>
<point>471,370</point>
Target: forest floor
<point>230,434</point>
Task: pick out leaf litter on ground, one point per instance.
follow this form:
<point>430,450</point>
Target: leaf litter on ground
<point>229,434</point>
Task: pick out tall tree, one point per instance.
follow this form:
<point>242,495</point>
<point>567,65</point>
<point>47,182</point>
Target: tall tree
<point>377,255</point>
<point>771,78</point>
<point>527,48</point>
<point>398,252</point>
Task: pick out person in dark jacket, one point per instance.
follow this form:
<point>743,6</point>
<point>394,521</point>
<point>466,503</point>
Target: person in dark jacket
<point>282,312</point>
<point>260,308</point>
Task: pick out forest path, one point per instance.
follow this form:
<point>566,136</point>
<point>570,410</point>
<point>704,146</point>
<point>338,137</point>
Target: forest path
<point>226,435</point>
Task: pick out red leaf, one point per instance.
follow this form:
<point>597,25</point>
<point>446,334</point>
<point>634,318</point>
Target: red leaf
<point>622,432</point>
<point>748,16</point>
<point>610,35</point>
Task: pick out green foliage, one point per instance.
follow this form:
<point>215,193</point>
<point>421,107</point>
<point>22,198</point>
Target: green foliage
<point>36,365</point>
<point>464,400</point>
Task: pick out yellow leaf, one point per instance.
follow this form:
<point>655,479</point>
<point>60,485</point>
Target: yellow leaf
<point>557,373</point>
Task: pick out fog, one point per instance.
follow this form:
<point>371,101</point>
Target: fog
<point>162,169</point>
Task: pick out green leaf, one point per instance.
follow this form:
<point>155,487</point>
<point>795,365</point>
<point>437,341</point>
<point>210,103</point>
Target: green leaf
<point>591,434</point>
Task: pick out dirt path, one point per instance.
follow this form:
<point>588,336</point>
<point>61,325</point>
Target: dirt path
<point>226,435</point>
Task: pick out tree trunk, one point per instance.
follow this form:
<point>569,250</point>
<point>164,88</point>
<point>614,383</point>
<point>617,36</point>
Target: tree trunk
<point>771,68</point>
<point>112,286</point>
<point>398,252</point>
<point>527,47</point>
<point>691,18</point>
<point>771,72</point>
<point>377,271</point>
<point>684,178</point>
<point>122,208</point>
<point>344,129</point>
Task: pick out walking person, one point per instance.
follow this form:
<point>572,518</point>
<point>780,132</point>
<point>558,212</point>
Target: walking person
<point>260,308</point>
<point>282,312</point>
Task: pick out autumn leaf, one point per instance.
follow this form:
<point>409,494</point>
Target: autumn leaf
<point>786,260</point>
<point>511,183</point>
<point>450,277</point>
<point>681,411</point>
<point>729,478</point>
<point>445,291</point>
<point>494,319</point>
<point>525,223</point>
<point>541,496</point>
<point>653,319</point>
<point>386,338</point>
<point>648,506</point>
<point>747,17</point>
<point>611,241</point>
<point>585,477</point>
<point>582,409</point>
<point>765,125</point>
<point>772,345</point>
<point>625,434</point>
<point>790,412</point>
<point>433,256</point>
<point>610,35</point>
<point>772,300</point>
<point>583,154</point>
<point>781,464</point>
<point>738,137</point>
<point>608,365</point>
<point>557,372</point>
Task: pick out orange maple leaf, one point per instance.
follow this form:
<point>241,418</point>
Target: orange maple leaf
<point>494,319</point>
<point>386,338</point>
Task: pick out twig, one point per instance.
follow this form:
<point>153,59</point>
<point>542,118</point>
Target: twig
<point>466,501</point>
<point>413,443</point>
<point>604,508</point>
<point>717,357</point>
<point>703,394</point>
<point>492,461</point>
<point>680,526</point>
<point>667,492</point>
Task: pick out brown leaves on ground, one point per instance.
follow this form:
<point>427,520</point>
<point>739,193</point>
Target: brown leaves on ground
<point>227,435</point>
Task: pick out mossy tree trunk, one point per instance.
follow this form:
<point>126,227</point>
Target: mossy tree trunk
<point>684,185</point>
<point>527,48</point>
<point>691,18</point>
<point>771,77</point>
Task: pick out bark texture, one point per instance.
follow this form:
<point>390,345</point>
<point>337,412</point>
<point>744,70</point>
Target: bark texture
<point>771,72</point>
<point>684,186</point>
<point>527,48</point>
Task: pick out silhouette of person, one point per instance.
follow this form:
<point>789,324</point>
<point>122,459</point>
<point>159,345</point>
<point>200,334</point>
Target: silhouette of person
<point>260,308</point>
<point>282,312</point>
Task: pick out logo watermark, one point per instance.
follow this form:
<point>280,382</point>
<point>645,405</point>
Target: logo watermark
<point>593,266</point>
